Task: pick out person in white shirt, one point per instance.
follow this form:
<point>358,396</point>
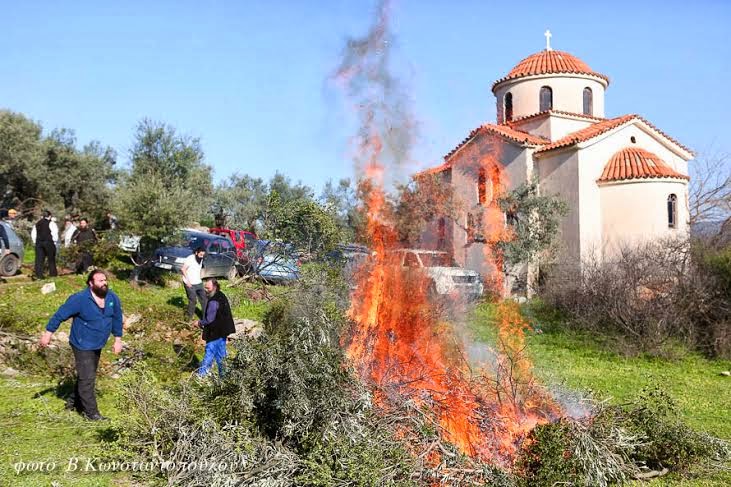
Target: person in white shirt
<point>45,239</point>
<point>68,231</point>
<point>192,281</point>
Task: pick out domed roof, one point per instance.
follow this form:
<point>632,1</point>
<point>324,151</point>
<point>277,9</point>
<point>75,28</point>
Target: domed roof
<point>549,61</point>
<point>634,163</point>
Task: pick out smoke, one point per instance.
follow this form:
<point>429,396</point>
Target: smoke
<point>387,129</point>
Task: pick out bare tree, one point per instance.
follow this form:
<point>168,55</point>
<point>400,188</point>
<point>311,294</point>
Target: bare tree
<point>710,187</point>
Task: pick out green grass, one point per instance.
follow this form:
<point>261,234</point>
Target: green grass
<point>34,424</point>
<point>580,362</point>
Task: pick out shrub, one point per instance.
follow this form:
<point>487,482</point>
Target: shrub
<point>649,297</point>
<point>616,444</point>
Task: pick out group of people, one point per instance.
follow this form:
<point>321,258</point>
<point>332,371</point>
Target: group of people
<point>97,314</point>
<point>45,237</point>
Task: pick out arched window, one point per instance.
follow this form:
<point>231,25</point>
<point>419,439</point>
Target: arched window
<point>588,101</point>
<point>545,98</point>
<point>672,211</point>
<point>508,106</point>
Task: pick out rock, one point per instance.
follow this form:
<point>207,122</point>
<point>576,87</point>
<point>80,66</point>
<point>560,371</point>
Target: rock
<point>48,288</point>
<point>10,372</point>
<point>247,329</point>
<point>130,320</point>
<point>726,373</point>
<point>115,376</point>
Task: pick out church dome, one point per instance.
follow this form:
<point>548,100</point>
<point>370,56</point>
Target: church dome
<point>636,163</point>
<point>549,61</point>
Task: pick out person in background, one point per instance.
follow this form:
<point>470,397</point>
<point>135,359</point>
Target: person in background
<point>97,313</point>
<point>217,325</point>
<point>68,231</point>
<point>192,268</point>
<point>12,215</point>
<point>111,222</point>
<point>84,238</point>
<point>45,239</point>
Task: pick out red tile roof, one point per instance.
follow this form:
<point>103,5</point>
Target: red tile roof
<point>586,133</point>
<point>599,128</point>
<point>636,163</point>
<point>549,62</point>
<point>503,131</point>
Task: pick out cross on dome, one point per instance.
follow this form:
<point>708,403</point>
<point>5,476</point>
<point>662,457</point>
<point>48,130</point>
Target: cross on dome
<point>548,39</point>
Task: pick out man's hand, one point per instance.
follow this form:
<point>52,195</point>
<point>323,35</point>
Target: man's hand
<point>117,346</point>
<point>45,339</point>
<point>199,324</point>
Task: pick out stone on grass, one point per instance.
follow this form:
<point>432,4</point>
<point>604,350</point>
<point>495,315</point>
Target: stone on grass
<point>48,288</point>
<point>726,373</point>
<point>247,329</point>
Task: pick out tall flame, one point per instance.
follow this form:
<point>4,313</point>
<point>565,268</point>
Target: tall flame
<point>400,343</point>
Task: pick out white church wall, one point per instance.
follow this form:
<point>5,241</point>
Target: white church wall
<point>635,212</point>
<point>561,126</point>
<point>595,232</point>
<point>568,93</point>
<point>558,175</point>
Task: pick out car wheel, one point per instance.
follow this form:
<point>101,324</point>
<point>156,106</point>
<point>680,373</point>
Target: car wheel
<point>233,273</point>
<point>9,265</point>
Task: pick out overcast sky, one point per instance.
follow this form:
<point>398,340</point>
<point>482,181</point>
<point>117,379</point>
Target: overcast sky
<point>250,78</point>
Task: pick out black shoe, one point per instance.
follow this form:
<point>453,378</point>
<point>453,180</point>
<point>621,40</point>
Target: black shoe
<point>95,417</point>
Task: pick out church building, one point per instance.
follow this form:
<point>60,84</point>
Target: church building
<point>624,180</point>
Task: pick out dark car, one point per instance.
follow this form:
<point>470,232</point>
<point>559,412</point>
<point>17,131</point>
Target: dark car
<point>10,263</point>
<point>220,259</point>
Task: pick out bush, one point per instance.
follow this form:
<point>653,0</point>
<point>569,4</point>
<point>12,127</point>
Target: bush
<point>650,297</point>
<point>287,410</point>
<point>616,444</point>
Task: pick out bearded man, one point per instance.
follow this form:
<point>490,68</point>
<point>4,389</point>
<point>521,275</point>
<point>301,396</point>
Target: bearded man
<point>217,325</point>
<point>97,312</point>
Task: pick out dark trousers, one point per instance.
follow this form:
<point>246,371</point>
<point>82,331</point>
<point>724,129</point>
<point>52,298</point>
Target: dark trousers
<point>84,396</point>
<point>45,250</point>
<point>85,261</point>
<point>194,292</point>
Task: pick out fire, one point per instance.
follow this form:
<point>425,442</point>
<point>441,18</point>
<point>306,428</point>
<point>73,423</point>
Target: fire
<point>401,344</point>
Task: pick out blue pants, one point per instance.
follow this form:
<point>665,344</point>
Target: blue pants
<point>215,350</point>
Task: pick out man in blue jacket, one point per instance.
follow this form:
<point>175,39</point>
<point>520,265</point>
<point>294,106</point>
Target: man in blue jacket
<point>97,312</point>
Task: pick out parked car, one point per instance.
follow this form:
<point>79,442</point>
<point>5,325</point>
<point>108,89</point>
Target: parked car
<point>446,276</point>
<point>220,259</point>
<point>10,264</point>
<point>243,241</point>
<point>350,257</point>
<point>276,262</point>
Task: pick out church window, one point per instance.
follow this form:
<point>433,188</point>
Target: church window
<point>482,186</point>
<point>471,228</point>
<point>545,98</point>
<point>633,139</point>
<point>442,234</point>
<point>588,101</point>
<point>508,106</point>
<point>672,211</point>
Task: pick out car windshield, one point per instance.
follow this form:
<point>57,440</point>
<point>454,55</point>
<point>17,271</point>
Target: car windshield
<point>435,260</point>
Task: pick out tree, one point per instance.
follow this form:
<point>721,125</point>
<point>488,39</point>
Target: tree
<point>341,201</point>
<point>38,171</point>
<point>710,188</point>
<point>533,220</point>
<point>168,185</point>
<point>302,222</point>
<point>240,200</point>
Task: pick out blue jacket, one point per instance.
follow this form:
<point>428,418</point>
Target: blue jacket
<point>92,325</point>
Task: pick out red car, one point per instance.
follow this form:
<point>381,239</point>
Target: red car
<point>242,240</point>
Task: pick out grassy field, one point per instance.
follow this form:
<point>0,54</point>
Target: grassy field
<point>36,427</point>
